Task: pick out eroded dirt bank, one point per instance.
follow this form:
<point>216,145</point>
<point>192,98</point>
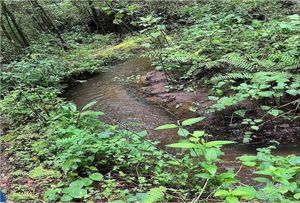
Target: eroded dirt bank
<point>153,87</point>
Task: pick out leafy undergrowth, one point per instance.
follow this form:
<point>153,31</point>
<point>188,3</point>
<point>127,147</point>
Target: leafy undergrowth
<point>49,66</point>
<point>72,156</point>
<point>244,52</point>
<point>56,152</point>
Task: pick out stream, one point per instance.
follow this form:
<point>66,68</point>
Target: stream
<point>122,103</point>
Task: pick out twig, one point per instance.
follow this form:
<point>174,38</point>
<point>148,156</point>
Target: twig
<point>203,188</point>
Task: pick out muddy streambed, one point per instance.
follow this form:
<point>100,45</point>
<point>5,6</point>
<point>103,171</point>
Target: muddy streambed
<point>125,104</point>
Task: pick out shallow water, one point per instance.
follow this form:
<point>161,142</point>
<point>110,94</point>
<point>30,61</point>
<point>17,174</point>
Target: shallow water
<point>124,105</point>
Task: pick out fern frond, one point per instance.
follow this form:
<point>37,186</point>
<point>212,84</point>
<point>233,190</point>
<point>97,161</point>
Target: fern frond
<point>232,76</point>
<point>18,173</point>
<point>238,62</point>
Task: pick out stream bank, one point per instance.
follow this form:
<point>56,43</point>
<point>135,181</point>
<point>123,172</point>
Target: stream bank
<point>193,104</point>
<point>148,104</point>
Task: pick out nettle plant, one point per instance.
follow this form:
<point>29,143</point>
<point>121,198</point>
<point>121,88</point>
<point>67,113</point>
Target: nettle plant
<point>202,158</point>
<point>273,92</point>
<point>276,177</point>
<point>279,175</point>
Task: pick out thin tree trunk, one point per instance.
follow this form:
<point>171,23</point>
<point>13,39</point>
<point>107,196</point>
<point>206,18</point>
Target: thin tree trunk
<point>39,25</point>
<point>3,29</point>
<point>14,35</point>
<point>16,25</point>
<point>81,10</point>
<point>46,18</point>
<point>100,27</point>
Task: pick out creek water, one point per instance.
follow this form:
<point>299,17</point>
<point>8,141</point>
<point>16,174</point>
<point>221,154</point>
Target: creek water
<point>122,103</point>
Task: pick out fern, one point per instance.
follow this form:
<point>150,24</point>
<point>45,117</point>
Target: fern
<point>155,194</point>
<point>21,196</point>
<point>18,173</point>
<point>238,62</point>
<point>232,76</point>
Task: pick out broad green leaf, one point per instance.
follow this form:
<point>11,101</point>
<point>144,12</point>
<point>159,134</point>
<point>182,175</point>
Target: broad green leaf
<point>203,175</point>
<point>293,92</point>
<point>221,193</point>
<point>275,112</point>
<point>246,193</point>
<point>192,121</point>
<point>211,154</point>
<point>266,93</point>
<point>218,143</point>
<point>249,163</point>
<point>183,132</point>
<point>183,145</point>
<point>247,158</point>
<point>81,183</point>
<point>166,126</point>
<point>89,105</point>
<point>198,133</point>
<point>232,199</point>
<point>96,176</point>
<point>78,192</point>
<point>66,198</point>
<point>212,169</point>
<point>297,195</point>
<point>261,180</point>
<point>143,133</point>
<point>51,194</point>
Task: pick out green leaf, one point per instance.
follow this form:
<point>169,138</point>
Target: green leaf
<point>96,176</point>
<point>221,193</point>
<point>249,163</point>
<point>247,158</point>
<point>232,199</point>
<point>198,133</point>
<point>297,195</point>
<point>261,180</point>
<point>143,133</point>
<point>166,126</point>
<point>218,143</point>
<point>203,175</point>
<point>154,195</point>
<point>51,194</point>
<point>66,198</point>
<point>293,92</point>
<point>91,113</point>
<point>183,132</point>
<point>77,192</point>
<point>183,145</point>
<point>211,154</point>
<point>89,105</point>
<point>266,93</point>
<point>275,112</point>
<point>254,127</point>
<point>212,169</point>
<point>192,121</point>
<point>81,183</point>
<point>246,193</point>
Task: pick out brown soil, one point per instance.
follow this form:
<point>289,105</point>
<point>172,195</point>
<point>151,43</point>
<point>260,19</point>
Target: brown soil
<point>153,88</point>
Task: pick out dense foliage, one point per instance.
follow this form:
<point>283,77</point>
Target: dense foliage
<point>53,151</point>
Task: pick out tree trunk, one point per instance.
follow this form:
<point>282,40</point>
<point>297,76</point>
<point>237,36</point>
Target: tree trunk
<point>40,26</point>
<point>47,20</point>
<point>16,25</point>
<point>13,33</point>
<point>3,29</point>
<point>100,28</point>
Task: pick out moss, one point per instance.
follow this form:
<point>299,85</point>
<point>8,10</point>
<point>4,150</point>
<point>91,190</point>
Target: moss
<point>126,46</point>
